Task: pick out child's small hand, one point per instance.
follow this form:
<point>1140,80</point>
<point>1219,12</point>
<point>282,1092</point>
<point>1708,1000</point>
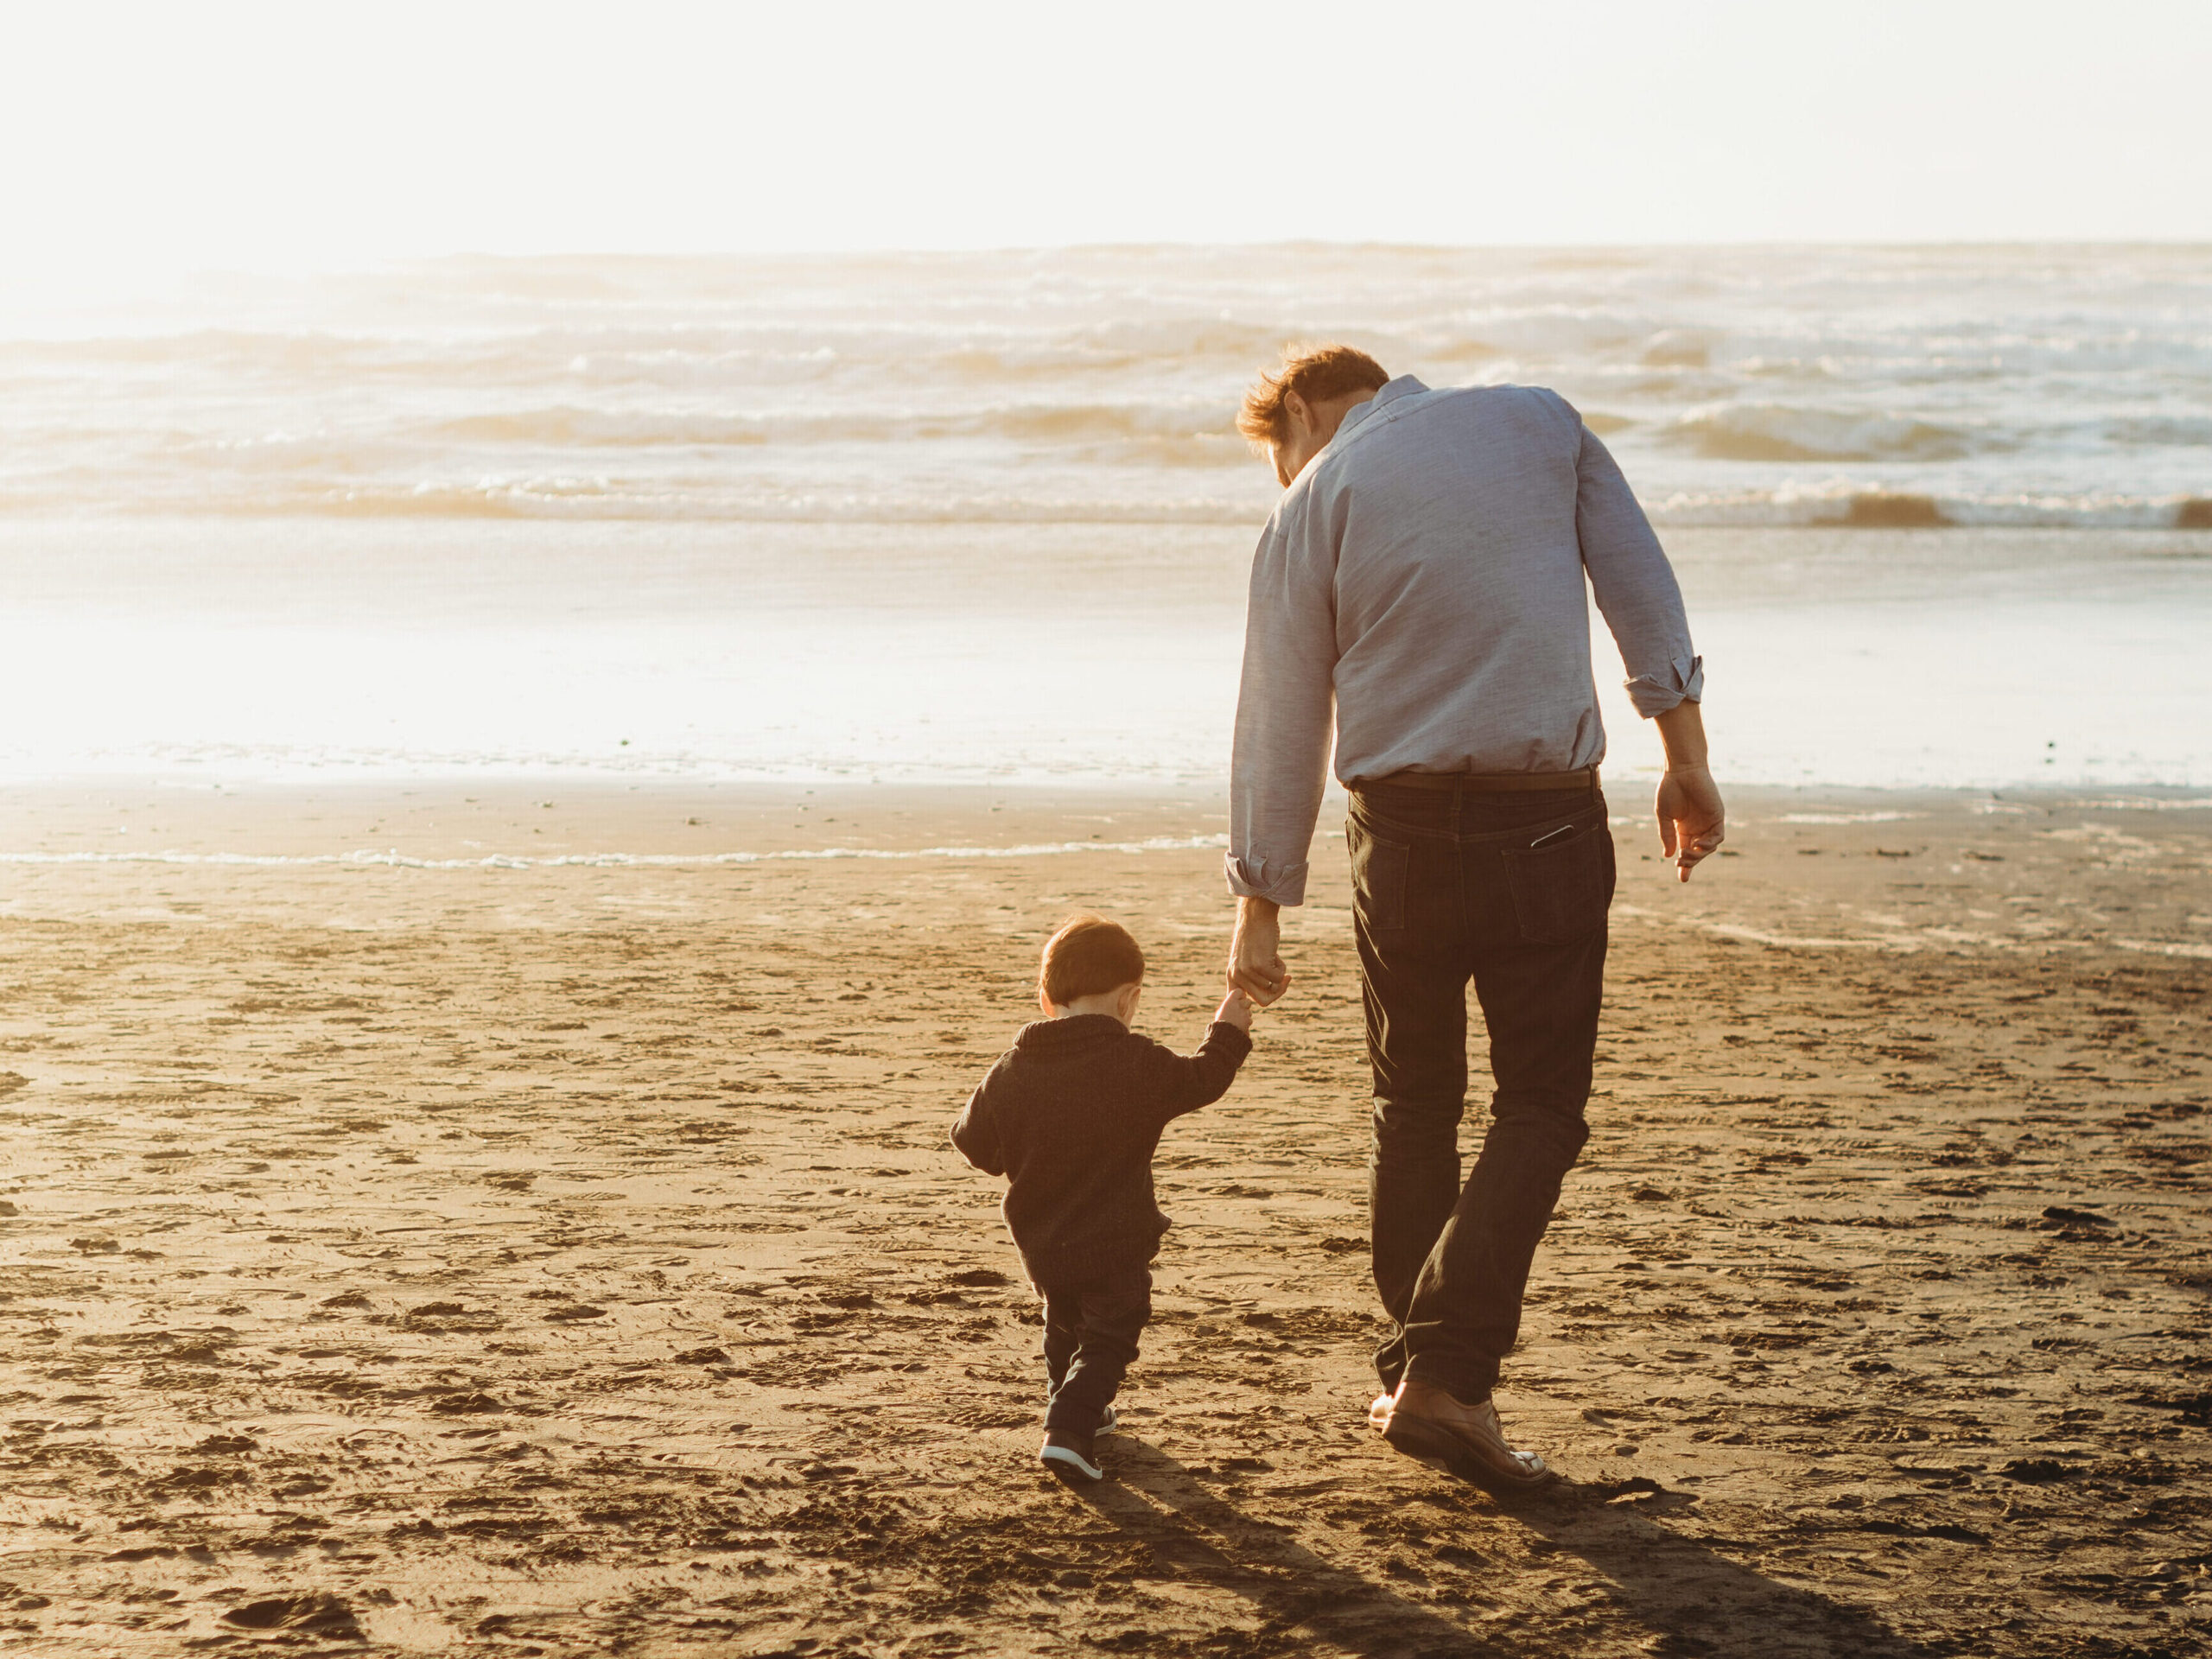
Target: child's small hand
<point>1236,1010</point>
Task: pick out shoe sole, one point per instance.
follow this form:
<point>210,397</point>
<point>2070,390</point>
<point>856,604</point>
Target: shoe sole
<point>1066,1465</point>
<point>1432,1443</point>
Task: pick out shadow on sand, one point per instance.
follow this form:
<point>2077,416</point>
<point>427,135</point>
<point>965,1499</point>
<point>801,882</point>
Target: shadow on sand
<point>1692,1601</point>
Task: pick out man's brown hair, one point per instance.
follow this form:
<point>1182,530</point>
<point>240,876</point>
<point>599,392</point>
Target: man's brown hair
<point>1317,373</point>
<point>1088,955</point>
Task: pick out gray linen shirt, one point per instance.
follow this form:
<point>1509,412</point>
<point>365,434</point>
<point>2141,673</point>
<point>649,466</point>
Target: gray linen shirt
<point>1422,581</point>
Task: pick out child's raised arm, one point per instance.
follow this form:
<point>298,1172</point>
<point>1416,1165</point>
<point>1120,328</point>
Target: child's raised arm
<point>1185,1082</point>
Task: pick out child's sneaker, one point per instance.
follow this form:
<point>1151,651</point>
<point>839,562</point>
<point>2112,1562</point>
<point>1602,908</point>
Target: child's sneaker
<point>1068,1456</point>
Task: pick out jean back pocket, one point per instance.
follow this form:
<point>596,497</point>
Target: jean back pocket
<point>1562,892</point>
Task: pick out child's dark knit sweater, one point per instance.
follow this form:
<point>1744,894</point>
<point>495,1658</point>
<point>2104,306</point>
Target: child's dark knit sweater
<point>1072,1115</point>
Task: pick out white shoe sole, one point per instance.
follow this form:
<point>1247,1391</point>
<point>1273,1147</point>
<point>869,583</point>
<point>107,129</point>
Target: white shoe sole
<point>1060,1460</point>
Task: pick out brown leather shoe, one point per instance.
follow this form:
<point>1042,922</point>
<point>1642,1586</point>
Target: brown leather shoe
<point>1424,1422</point>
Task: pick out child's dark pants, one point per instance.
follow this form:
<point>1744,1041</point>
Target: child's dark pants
<point>1092,1327</point>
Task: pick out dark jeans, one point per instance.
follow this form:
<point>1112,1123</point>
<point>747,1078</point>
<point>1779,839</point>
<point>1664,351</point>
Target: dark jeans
<point>1090,1340</point>
<point>1447,887</point>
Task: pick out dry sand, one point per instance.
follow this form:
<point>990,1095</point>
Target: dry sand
<point>566,1258</point>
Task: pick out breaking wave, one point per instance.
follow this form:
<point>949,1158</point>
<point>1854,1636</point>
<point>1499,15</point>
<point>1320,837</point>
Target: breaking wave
<point>1878,509</point>
<point>570,425</point>
<point>578,500</point>
<point>1872,386</point>
<point>616,499</point>
<point>1779,432</point>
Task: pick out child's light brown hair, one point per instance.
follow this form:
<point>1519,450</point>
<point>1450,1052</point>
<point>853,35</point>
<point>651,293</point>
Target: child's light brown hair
<point>1317,373</point>
<point>1088,955</point>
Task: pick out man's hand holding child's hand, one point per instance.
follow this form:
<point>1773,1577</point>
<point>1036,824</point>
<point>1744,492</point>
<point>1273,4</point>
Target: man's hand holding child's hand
<point>1236,1010</point>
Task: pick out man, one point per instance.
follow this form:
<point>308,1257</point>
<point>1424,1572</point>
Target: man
<point>1421,584</point>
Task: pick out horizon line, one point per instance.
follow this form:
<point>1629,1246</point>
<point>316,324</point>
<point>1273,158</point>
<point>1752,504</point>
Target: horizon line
<point>34,275</point>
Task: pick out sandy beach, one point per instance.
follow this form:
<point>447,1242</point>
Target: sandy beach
<point>414,1240</point>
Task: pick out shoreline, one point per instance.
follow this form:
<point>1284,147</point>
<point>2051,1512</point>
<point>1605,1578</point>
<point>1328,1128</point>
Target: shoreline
<point>77,811</point>
<point>1818,869</point>
<point>599,657</point>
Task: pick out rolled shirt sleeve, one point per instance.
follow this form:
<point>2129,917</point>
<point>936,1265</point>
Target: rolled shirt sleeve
<point>1286,707</point>
<point>1634,583</point>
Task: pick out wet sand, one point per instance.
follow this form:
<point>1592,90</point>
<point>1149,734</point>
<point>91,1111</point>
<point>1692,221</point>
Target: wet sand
<point>565,1257</point>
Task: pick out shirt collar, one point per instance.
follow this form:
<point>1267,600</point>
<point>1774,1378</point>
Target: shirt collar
<point>1404,386</point>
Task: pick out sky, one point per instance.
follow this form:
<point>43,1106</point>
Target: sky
<point>154,139</point>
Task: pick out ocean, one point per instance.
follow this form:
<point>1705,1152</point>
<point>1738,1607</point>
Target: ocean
<point>1943,515</point>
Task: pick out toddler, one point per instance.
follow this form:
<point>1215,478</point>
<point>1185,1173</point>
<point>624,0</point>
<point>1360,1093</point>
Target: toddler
<point>1071,1114</point>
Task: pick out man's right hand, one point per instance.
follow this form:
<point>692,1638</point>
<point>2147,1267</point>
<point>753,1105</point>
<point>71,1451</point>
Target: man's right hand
<point>1255,963</point>
<point>1692,820</point>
